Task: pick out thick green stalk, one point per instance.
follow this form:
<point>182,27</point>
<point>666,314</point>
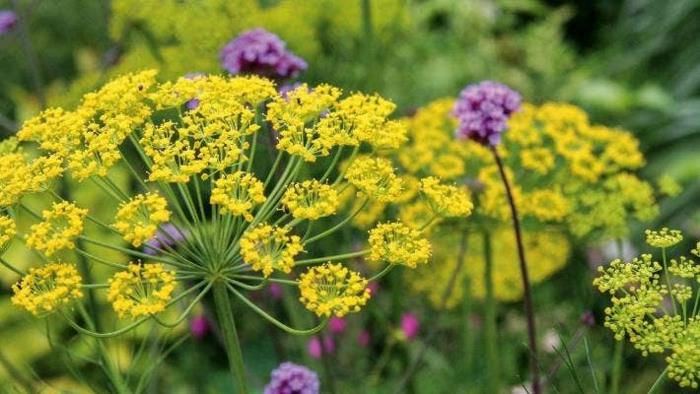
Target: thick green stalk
<point>617,367</point>
<point>227,325</point>
<point>490,335</point>
<point>658,383</point>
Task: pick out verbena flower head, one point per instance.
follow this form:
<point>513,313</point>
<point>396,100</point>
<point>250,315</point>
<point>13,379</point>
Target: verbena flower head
<point>396,243</point>
<point>44,290</point>
<point>291,378</point>
<point>333,290</point>
<point>141,290</point>
<point>483,110</point>
<point>260,52</point>
<point>61,225</point>
<point>663,238</point>
<point>656,308</point>
<point>8,20</point>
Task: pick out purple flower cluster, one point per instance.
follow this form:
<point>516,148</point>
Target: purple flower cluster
<point>483,110</point>
<point>260,52</point>
<point>8,20</point>
<point>291,378</point>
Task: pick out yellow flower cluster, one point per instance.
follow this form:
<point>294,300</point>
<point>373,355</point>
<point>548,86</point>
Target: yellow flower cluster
<point>141,290</point>
<point>547,252</point>
<point>374,177</point>
<point>237,194</point>
<point>268,248</point>
<point>138,219</point>
<point>563,169</point>
<point>47,288</point>
<point>311,200</point>
<point>209,136</point>
<point>20,175</point>
<point>8,229</point>
<point>663,238</point>
<point>333,290</point>
<point>446,200</point>
<point>640,312</point>
<point>61,225</point>
<point>396,243</point>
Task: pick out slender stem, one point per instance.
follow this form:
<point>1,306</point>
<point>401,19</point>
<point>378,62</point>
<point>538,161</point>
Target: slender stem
<point>617,367</point>
<point>668,280</point>
<point>228,330</point>
<point>344,256</point>
<point>383,272</point>
<point>490,332</point>
<point>527,292</point>
<point>337,226</point>
<point>659,381</point>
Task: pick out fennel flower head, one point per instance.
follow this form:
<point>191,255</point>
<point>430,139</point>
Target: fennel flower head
<point>196,201</point>
<point>260,52</point>
<point>654,304</point>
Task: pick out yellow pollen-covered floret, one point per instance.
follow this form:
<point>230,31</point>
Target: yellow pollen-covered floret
<point>332,290</point>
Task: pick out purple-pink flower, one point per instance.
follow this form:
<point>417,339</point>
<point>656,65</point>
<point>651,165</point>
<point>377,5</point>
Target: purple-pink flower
<point>290,378</point>
<point>317,347</point>
<point>337,324</point>
<point>364,338</point>
<point>260,52</point>
<point>275,290</point>
<point>8,21</point>
<point>167,236</point>
<point>483,110</point>
<point>409,325</point>
<point>199,326</point>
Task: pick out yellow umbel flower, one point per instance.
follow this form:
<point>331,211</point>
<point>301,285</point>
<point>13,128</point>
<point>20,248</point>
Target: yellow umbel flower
<point>546,205</point>
<point>684,361</point>
<point>333,290</point>
<point>268,248</point>
<point>540,160</point>
<point>20,176</point>
<point>663,238</point>
<point>446,200</point>
<point>668,186</point>
<point>55,130</point>
<point>237,194</point>
<point>311,200</point>
<point>291,116</point>
<point>374,177</point>
<point>141,290</point>
<point>138,219</point>
<point>61,225</point>
<point>396,243</point>
<point>8,229</point>
<point>45,289</point>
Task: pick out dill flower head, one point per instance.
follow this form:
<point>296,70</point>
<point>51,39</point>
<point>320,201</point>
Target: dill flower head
<point>61,225</point>
<point>374,177</point>
<point>268,248</point>
<point>663,238</point>
<point>260,52</point>
<point>20,175</point>
<point>47,288</point>
<point>333,290</point>
<point>237,194</point>
<point>311,200</point>
<point>8,229</point>
<point>483,110</point>
<point>446,200</point>
<point>141,290</point>
<point>290,378</point>
<point>138,219</point>
<point>684,361</point>
<point>8,20</point>
<point>396,243</point>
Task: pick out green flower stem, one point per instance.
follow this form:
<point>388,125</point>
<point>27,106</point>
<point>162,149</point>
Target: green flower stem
<point>273,169</point>
<point>490,327</point>
<point>338,257</point>
<point>348,165</point>
<point>332,165</point>
<point>337,226</point>
<point>227,324</point>
<point>616,367</point>
<point>11,267</point>
<point>187,310</point>
<point>274,280</point>
<point>697,302</point>
<point>527,292</point>
<point>668,280</point>
<point>274,321</point>
<point>382,273</point>
<point>659,381</point>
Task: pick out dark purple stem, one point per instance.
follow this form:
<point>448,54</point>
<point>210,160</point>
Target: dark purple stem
<point>527,296</point>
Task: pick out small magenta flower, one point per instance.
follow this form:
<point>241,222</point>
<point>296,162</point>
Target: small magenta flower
<point>337,324</point>
<point>260,52</point>
<point>409,326</point>
<point>373,288</point>
<point>317,347</point>
<point>275,290</point>
<point>364,338</point>
<point>290,378</point>
<point>483,110</point>
<point>199,326</point>
<point>167,236</point>
<point>8,21</point>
